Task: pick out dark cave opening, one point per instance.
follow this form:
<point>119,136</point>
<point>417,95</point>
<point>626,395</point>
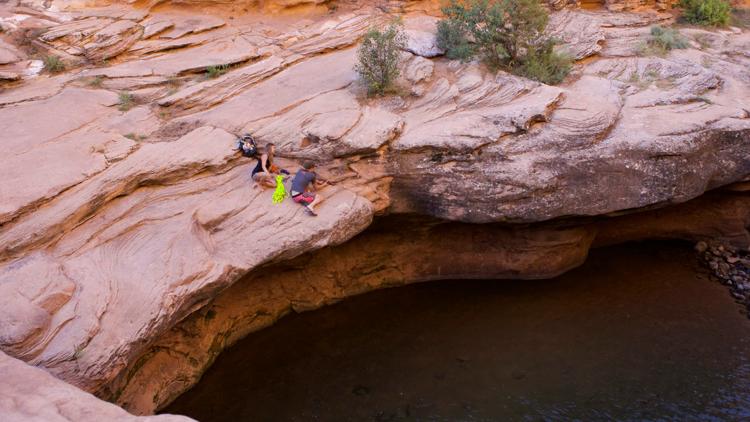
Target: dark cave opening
<point>637,332</point>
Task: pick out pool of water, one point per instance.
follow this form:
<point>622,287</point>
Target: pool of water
<point>637,333</point>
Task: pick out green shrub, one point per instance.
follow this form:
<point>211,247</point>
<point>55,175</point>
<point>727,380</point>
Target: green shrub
<point>662,41</point>
<point>669,38</point>
<point>507,34</point>
<point>126,101</point>
<point>546,65</point>
<point>706,12</point>
<point>53,64</point>
<point>378,58</point>
<point>452,37</point>
<point>135,136</point>
<point>216,71</point>
<point>96,81</point>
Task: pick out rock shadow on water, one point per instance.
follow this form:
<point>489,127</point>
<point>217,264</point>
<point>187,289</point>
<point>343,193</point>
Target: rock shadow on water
<point>638,332</point>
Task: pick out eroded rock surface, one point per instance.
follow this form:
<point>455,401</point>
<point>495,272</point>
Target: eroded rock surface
<point>398,251</point>
<point>166,272</point>
<point>124,207</point>
<point>29,394</point>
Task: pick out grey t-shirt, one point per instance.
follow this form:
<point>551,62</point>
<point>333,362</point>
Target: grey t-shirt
<point>301,180</point>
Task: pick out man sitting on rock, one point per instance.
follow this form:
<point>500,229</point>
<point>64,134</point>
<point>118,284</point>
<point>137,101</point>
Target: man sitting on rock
<point>304,186</point>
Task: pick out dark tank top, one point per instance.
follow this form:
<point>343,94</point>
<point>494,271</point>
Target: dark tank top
<point>259,167</point>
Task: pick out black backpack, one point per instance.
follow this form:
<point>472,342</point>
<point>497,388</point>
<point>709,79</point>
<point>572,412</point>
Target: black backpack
<point>250,151</point>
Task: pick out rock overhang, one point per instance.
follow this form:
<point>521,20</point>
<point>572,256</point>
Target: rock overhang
<point>149,214</point>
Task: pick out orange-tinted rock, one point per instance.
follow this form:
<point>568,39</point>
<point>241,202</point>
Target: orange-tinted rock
<point>31,394</point>
<point>125,208</point>
<point>399,251</point>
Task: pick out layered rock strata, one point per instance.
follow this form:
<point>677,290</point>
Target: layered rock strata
<point>124,208</point>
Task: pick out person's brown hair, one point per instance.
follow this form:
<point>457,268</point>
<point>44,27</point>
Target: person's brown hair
<point>307,165</point>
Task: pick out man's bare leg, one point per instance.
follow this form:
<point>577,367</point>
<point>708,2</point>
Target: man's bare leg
<point>318,199</point>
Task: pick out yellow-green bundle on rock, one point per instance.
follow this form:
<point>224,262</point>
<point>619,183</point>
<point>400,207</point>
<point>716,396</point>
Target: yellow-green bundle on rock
<point>280,193</point>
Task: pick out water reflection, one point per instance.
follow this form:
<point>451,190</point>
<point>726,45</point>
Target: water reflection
<point>638,333</point>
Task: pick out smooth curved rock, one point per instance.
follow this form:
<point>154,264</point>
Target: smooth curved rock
<point>420,36</point>
<point>475,111</point>
<point>141,276</point>
<point>580,33</point>
<point>29,394</point>
<point>125,214</point>
<point>64,133</point>
<point>9,53</point>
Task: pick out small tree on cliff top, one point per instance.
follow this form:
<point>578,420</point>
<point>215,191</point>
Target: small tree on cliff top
<point>706,12</point>
<point>506,34</point>
<point>378,58</point>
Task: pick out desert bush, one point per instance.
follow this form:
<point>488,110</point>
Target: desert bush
<point>706,12</point>
<point>378,58</point>
<point>668,38</point>
<point>453,38</point>
<point>506,34</point>
<point>53,64</point>
<point>126,101</point>
<point>216,71</point>
<point>661,41</point>
<point>545,65</point>
<point>135,136</point>
<point>96,81</point>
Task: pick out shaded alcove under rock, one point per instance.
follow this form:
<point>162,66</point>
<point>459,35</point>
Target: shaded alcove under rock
<point>398,250</point>
<point>637,332</point>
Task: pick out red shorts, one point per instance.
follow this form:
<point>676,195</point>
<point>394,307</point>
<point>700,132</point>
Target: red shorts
<point>306,198</point>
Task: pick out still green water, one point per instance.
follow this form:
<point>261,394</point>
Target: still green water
<point>637,333</point>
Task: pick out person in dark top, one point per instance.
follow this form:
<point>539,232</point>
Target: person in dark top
<point>304,187</point>
<point>264,169</point>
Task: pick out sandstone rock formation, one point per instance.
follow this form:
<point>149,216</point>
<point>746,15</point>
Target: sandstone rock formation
<point>132,242</point>
<point>30,394</point>
<point>397,251</point>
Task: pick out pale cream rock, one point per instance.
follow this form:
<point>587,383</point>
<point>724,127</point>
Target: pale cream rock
<point>29,394</point>
<point>107,243</point>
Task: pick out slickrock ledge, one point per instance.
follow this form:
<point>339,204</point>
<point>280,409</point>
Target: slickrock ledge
<point>132,240</point>
<point>29,394</point>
